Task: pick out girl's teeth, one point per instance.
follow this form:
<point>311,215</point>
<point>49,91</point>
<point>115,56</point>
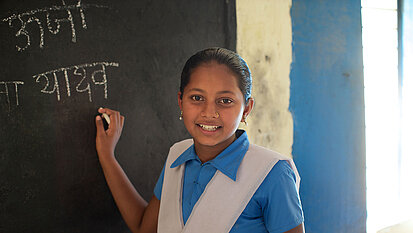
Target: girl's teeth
<point>209,127</point>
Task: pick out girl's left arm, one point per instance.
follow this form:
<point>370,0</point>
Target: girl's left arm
<point>298,229</point>
<point>282,208</point>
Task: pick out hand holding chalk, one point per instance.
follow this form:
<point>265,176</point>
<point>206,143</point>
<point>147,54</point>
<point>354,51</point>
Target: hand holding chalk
<point>105,118</point>
<point>107,137</point>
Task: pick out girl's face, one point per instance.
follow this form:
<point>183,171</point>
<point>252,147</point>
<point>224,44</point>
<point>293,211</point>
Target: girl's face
<point>213,105</point>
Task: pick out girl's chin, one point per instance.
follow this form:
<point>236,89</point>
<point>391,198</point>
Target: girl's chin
<point>206,142</point>
<point>213,141</point>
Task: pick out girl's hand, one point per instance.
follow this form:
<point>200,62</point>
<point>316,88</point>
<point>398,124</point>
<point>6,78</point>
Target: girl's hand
<point>106,140</point>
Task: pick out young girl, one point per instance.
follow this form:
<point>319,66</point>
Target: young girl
<point>217,181</point>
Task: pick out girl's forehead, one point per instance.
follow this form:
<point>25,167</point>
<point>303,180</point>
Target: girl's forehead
<point>213,74</point>
<point>213,66</point>
<point>213,69</point>
<point>214,79</point>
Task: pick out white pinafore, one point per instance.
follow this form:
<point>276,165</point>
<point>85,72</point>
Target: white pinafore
<point>223,199</point>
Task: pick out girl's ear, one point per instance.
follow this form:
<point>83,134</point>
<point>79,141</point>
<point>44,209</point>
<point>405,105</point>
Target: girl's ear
<point>180,100</point>
<point>248,107</point>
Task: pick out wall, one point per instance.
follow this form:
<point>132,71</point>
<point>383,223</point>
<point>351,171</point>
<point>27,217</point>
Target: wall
<point>327,105</point>
<point>264,41</point>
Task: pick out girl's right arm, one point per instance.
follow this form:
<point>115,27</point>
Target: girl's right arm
<point>137,213</point>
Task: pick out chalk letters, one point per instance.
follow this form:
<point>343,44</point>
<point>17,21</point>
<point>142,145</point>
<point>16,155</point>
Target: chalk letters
<point>79,73</point>
<point>53,23</point>
<point>66,81</point>
<point>4,85</point>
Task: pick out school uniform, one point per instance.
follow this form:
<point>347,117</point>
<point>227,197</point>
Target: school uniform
<point>246,188</point>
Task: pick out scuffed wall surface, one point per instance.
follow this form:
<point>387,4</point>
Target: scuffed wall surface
<point>264,41</point>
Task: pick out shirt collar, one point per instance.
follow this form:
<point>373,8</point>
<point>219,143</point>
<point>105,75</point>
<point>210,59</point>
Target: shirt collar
<point>227,161</point>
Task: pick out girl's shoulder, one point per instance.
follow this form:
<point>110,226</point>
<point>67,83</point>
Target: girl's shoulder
<point>263,151</point>
<point>282,168</point>
<point>280,182</point>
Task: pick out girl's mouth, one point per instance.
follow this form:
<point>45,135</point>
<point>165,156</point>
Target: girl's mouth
<point>210,128</point>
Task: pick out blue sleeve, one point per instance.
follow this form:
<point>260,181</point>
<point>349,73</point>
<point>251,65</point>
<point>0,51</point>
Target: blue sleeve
<point>158,187</point>
<point>282,206</point>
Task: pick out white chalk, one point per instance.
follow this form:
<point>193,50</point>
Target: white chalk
<point>106,117</point>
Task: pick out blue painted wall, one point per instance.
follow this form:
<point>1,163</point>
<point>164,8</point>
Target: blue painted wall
<point>327,103</point>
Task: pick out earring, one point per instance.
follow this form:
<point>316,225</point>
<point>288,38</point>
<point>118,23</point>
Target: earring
<point>244,120</point>
<point>181,116</point>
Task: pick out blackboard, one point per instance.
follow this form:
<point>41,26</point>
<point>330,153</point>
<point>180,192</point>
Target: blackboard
<point>60,61</point>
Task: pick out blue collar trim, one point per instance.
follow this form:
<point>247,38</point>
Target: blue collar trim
<point>227,161</point>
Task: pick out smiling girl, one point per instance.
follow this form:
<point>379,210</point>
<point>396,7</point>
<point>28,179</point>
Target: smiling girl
<point>217,181</point>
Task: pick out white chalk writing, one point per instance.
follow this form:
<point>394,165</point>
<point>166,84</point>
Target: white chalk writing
<point>97,77</point>
<point>53,24</point>
<point>4,85</point>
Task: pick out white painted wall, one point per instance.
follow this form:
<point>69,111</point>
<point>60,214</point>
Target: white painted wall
<point>264,38</point>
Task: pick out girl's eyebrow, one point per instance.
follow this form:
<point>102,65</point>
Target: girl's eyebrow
<point>225,92</point>
<point>219,92</point>
<point>196,89</point>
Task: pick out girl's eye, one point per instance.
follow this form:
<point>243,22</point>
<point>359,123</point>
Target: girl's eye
<point>225,101</point>
<point>196,98</point>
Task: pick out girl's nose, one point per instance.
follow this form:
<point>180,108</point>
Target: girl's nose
<point>209,111</point>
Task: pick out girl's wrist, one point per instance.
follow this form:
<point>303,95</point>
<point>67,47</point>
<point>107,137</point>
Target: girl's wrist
<point>106,156</point>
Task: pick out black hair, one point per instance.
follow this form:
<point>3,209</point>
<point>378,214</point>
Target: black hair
<point>222,56</point>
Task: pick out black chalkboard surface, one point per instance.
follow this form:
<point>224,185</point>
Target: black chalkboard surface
<point>61,60</point>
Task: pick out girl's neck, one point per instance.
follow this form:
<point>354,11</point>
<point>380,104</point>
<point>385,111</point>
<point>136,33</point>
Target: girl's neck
<point>207,153</point>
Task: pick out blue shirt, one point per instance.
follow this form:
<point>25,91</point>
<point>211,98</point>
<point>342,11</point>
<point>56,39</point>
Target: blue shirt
<point>275,206</point>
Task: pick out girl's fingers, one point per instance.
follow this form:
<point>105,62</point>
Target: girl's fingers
<point>102,110</point>
<point>116,120</point>
<point>106,140</point>
<point>113,117</point>
<point>121,121</point>
<point>107,111</point>
<point>100,130</point>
